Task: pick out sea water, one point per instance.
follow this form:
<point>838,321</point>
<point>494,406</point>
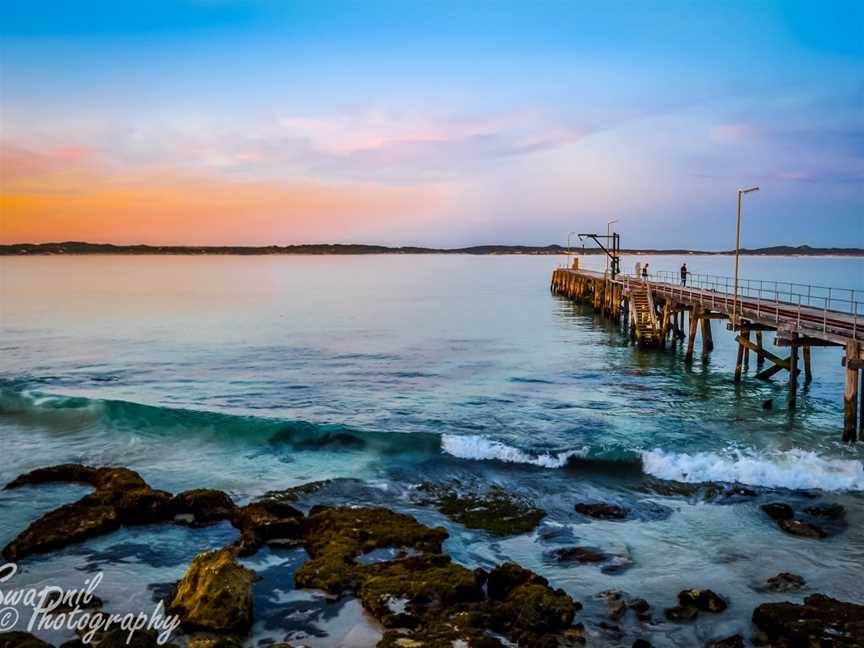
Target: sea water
<point>251,374</point>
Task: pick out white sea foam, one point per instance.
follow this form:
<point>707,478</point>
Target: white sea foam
<point>481,448</point>
<point>792,469</point>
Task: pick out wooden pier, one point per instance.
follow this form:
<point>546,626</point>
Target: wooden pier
<point>799,316</point>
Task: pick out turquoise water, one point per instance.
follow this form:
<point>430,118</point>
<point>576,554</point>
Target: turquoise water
<point>252,374</point>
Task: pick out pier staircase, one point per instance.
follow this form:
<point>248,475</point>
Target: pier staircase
<point>643,319</point>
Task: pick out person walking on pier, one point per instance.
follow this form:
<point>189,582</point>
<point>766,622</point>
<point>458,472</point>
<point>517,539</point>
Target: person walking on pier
<point>645,273</point>
<point>684,275</point>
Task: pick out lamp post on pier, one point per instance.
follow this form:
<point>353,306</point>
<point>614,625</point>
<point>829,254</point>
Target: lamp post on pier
<point>568,248</point>
<point>741,193</point>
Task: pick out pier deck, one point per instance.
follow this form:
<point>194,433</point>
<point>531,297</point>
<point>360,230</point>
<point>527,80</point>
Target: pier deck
<point>801,316</point>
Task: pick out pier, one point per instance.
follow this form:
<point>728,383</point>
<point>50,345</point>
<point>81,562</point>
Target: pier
<point>660,310</point>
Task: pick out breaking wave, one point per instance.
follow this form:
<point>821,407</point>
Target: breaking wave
<point>793,469</point>
<point>482,448</point>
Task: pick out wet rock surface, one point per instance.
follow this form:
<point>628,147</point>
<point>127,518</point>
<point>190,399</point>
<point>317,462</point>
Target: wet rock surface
<point>214,594</point>
<point>579,555</point>
<point>599,511</point>
<point>735,641</point>
<point>266,521</point>
<point>495,511</point>
<point>819,621</point>
<point>693,601</point>
<point>785,582</point>
<point>21,640</point>
<point>121,497</point>
<point>203,505</point>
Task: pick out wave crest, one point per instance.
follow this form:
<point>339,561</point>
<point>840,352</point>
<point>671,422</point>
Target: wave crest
<point>793,469</point>
<point>481,448</point>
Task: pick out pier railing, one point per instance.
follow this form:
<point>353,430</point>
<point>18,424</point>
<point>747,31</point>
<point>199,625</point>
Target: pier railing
<point>842,300</point>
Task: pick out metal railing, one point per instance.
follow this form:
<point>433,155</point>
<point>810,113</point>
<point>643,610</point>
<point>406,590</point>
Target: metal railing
<point>841,300</point>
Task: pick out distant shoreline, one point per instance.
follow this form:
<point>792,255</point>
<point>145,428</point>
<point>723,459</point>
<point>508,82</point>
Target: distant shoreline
<point>81,248</point>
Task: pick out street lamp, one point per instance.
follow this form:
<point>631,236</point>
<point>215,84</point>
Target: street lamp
<point>568,248</point>
<point>741,193</point>
<point>609,236</point>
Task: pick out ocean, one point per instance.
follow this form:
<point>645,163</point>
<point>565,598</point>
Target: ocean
<point>252,374</point>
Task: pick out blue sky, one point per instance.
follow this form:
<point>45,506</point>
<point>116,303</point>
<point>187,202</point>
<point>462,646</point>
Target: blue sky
<point>452,123</point>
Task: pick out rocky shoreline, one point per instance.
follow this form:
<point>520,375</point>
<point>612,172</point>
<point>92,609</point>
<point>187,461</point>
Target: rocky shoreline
<point>398,570</point>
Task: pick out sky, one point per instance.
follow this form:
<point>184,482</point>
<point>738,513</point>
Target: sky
<point>221,122</point>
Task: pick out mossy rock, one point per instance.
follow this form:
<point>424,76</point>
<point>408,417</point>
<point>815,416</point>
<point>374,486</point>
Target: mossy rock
<point>421,584</point>
<point>215,594</point>
<point>21,640</point>
<point>495,511</point>
<point>335,536</point>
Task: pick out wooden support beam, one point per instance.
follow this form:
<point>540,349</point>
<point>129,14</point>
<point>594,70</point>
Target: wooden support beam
<point>707,337</point>
<point>768,373</point>
<point>762,352</point>
<point>793,376</point>
<point>694,327</point>
<point>664,327</point>
<point>808,373</point>
<point>850,393</point>
<point>760,359</point>
<point>783,340</point>
<point>742,349</point>
<point>853,363</point>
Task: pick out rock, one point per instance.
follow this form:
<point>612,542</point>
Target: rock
<point>334,537</point>
<point>785,582</point>
<point>143,638</point>
<point>642,643</point>
<point>533,608</point>
<point>502,580</point>
<point>402,593</point>
<point>21,640</point>
<point>62,473</point>
<point>579,554</point>
<point>680,613</point>
<point>615,602</point>
<point>203,504</point>
<point>215,594</point>
<point>801,529</point>
<point>827,511</point>
<point>819,621</point>
<point>75,522</point>
<point>735,641</point>
<point>778,511</point>
<point>216,641</point>
<point>267,521</point>
<point>496,511</point>
<point>603,511</point>
<point>703,600</point>
<point>297,492</point>
<point>121,497</point>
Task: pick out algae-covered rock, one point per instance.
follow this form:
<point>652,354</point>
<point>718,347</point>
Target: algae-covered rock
<point>21,640</point>
<point>820,621</point>
<point>801,528</point>
<point>121,497</point>
<point>204,505</point>
<point>267,521</point>
<point>703,600</point>
<point>335,536</point>
<point>601,511</point>
<point>215,594</point>
<point>735,641</point>
<point>778,511</point>
<point>402,593</point>
<point>785,582</point>
<point>496,511</point>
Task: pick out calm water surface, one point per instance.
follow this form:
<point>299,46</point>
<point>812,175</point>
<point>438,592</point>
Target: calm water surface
<point>230,372</point>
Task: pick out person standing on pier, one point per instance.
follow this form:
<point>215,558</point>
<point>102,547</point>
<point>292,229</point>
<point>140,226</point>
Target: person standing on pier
<point>684,274</point>
<point>645,273</point>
